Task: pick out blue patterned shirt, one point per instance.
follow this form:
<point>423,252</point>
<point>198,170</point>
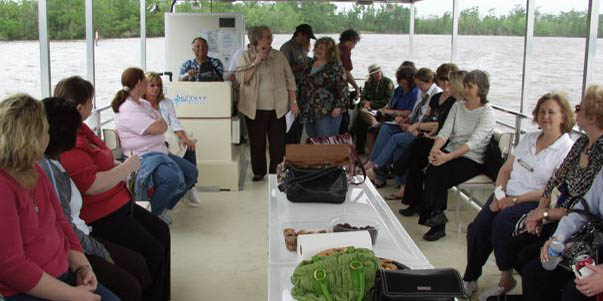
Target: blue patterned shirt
<point>205,72</point>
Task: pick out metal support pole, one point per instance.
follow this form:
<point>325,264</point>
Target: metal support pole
<point>90,39</point>
<point>527,60</point>
<point>411,30</point>
<point>590,51</point>
<point>455,29</point>
<point>44,48</point>
<point>143,35</point>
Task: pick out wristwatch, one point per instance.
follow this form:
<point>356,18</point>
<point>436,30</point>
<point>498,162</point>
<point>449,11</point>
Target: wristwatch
<point>514,200</point>
<point>545,215</point>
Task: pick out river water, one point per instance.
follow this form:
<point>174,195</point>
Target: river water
<point>557,62</point>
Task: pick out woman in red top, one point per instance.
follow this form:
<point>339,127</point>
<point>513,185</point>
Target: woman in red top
<point>107,203</point>
<point>40,258</point>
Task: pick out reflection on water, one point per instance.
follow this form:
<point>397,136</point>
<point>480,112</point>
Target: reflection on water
<point>557,62</point>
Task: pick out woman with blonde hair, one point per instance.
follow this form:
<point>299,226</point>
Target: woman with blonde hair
<point>40,258</point>
<point>323,91</point>
<point>522,178</point>
<point>154,95</point>
<point>573,179</point>
<point>141,129</point>
<point>267,92</point>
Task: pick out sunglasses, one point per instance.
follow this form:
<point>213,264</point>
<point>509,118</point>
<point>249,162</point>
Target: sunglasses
<point>577,108</point>
<point>443,78</point>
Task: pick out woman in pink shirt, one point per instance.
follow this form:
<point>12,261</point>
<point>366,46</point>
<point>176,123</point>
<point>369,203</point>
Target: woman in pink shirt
<point>141,129</point>
<point>40,257</point>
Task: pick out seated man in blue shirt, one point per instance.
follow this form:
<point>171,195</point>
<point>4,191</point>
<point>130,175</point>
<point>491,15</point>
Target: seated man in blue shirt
<point>202,68</point>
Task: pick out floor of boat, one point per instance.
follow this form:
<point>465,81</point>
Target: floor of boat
<point>219,250</point>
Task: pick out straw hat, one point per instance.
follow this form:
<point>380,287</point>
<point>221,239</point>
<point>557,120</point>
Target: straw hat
<point>374,68</point>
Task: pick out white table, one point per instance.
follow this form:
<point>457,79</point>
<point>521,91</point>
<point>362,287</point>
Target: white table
<point>364,200</point>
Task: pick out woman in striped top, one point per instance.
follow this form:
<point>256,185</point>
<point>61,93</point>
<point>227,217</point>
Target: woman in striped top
<point>467,132</point>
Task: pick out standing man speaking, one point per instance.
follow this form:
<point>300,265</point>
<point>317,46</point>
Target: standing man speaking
<point>296,51</point>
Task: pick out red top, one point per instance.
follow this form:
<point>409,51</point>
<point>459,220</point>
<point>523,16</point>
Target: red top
<point>32,241</point>
<point>345,54</point>
<point>89,157</point>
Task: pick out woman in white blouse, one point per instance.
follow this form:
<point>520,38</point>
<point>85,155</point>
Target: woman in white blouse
<point>154,95</point>
<point>522,178</point>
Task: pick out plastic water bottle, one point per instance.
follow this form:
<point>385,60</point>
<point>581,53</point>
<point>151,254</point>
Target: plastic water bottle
<point>555,254</point>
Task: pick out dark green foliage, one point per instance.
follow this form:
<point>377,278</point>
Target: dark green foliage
<point>121,18</point>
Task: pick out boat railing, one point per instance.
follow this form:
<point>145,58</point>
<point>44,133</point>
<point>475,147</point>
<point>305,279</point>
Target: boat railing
<point>101,119</point>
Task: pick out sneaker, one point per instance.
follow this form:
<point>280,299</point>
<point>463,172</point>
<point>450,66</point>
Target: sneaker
<point>470,288</point>
<point>165,217</point>
<point>192,197</point>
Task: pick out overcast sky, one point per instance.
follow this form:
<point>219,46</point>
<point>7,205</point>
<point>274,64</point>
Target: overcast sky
<point>438,7</point>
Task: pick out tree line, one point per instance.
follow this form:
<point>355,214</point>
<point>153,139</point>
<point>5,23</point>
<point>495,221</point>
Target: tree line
<point>120,19</point>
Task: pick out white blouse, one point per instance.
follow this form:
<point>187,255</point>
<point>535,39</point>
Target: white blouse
<point>532,171</point>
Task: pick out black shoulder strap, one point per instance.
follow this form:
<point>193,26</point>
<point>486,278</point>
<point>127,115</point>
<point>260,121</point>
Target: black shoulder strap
<point>591,217</point>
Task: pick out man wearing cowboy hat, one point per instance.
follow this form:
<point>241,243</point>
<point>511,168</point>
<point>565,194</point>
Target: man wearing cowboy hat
<point>377,92</point>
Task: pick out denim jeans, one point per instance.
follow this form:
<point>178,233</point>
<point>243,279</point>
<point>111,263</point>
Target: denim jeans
<point>69,278</point>
<point>167,191</point>
<point>385,133</point>
<point>324,127</point>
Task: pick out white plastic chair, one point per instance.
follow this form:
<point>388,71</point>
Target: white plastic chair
<point>112,141</point>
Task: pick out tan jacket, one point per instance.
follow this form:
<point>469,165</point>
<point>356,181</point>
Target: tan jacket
<point>282,82</point>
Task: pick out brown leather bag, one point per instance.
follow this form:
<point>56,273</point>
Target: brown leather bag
<point>317,155</point>
<point>325,155</point>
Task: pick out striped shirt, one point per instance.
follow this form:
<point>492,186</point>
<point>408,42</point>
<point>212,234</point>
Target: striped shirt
<point>471,127</point>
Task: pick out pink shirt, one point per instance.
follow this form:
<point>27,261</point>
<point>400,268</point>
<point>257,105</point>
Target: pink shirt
<point>35,237</point>
<point>132,121</point>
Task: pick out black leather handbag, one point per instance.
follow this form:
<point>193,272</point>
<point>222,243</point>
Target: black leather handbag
<point>315,185</point>
<point>426,285</point>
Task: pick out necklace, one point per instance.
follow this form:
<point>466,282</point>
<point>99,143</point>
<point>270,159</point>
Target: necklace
<point>33,200</point>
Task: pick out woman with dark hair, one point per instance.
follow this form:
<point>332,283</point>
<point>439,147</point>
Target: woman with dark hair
<point>522,178</point>
<point>40,258</point>
<point>466,134</point>
<point>267,92</point>
<point>140,129</point>
<point>322,91</point>
<point>405,95</point>
<point>388,150</point>
<point>107,204</point>
<point>121,270</point>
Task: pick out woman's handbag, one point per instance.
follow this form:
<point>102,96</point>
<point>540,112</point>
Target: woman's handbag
<point>308,185</point>
<point>353,164</point>
<point>343,276</point>
<point>587,240</point>
<point>426,285</point>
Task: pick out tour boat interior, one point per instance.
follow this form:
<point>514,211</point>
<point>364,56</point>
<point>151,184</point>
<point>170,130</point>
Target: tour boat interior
<point>222,250</point>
